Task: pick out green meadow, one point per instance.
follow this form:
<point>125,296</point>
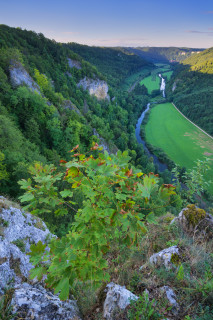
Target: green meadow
<point>152,82</point>
<point>177,137</point>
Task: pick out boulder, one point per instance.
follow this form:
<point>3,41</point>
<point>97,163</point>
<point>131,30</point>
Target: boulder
<point>195,222</point>
<point>117,297</point>
<point>35,302</point>
<point>97,87</point>
<point>19,76</point>
<point>166,257</point>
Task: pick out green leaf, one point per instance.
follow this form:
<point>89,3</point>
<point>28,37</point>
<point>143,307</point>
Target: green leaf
<point>142,226</point>
<point>151,218</point>
<point>63,286</point>
<point>26,197</point>
<point>66,193</point>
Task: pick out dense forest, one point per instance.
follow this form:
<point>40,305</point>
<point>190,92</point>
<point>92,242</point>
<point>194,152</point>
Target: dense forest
<point>44,125</point>
<point>115,64</point>
<point>191,89</point>
<point>164,54</point>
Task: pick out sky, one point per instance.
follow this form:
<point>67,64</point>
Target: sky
<point>180,23</point>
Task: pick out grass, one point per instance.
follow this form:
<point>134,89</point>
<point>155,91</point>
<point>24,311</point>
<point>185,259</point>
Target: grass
<point>177,137</point>
<point>153,81</point>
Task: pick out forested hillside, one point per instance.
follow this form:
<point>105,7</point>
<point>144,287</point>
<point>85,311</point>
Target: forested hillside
<point>191,89</point>
<point>164,54</point>
<point>49,113</point>
<point>115,63</point>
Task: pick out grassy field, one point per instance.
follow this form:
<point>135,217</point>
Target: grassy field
<point>177,137</point>
<point>153,81</point>
<point>168,74</point>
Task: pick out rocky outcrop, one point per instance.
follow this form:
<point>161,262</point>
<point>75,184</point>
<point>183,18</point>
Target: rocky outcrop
<point>19,76</point>
<point>117,298</point>
<point>98,88</point>
<point>74,63</point>
<point>67,104</point>
<point>34,302</point>
<point>18,230</point>
<point>167,257</point>
<point>195,222</point>
<point>102,143</point>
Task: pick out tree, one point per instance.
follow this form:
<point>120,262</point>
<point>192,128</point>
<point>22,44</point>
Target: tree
<point>116,208</point>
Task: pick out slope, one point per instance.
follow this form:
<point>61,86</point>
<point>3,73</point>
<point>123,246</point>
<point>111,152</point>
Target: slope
<point>191,89</point>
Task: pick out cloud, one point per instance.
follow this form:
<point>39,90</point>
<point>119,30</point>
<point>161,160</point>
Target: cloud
<point>208,12</point>
<point>209,33</point>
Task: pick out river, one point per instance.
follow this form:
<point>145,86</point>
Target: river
<point>162,167</point>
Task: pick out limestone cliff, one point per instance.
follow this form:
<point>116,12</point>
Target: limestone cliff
<point>19,76</point>
<point>97,87</point>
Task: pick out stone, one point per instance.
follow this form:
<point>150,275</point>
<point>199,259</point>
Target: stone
<point>171,296</point>
<point>117,297</point>
<point>35,302</point>
<point>164,257</point>
<point>19,76</point>
<point>74,63</point>
<point>195,222</point>
<point>97,87</point>
<point>30,299</point>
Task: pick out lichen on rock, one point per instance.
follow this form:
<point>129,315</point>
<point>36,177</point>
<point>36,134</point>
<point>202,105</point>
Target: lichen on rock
<point>165,257</point>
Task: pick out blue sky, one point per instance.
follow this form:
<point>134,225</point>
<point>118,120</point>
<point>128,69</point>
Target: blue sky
<point>115,22</point>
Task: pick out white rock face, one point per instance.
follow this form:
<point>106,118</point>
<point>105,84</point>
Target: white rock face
<point>74,64</point>
<point>34,302</point>
<point>118,297</point>
<point>98,88</point>
<point>19,76</point>
<point>18,230</point>
<point>164,257</point>
<point>171,296</point>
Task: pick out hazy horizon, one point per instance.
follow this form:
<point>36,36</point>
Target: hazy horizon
<point>123,23</point>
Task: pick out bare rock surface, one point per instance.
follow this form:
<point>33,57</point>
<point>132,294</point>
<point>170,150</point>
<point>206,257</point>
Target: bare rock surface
<point>164,257</point>
<point>18,230</point>
<point>118,297</point>
<point>171,296</point>
<point>97,87</point>
<point>19,76</point>
<point>34,302</point>
<point>74,63</point>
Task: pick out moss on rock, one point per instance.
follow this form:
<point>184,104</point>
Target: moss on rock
<point>194,215</point>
